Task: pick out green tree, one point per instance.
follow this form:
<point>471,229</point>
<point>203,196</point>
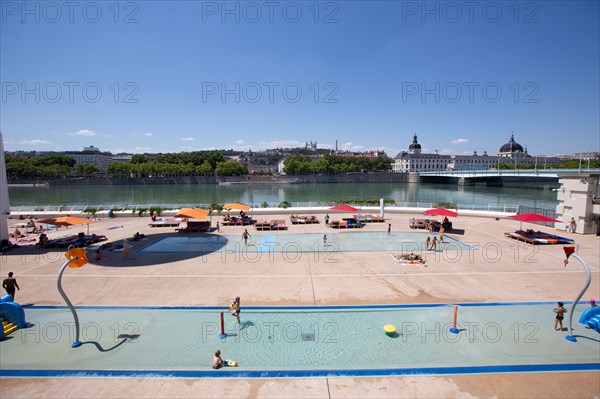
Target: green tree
<point>86,169</point>
<point>205,168</point>
<point>227,168</point>
<point>139,158</point>
<point>119,168</point>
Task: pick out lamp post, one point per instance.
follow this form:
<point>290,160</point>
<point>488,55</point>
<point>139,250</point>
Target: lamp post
<point>570,251</point>
<point>75,258</point>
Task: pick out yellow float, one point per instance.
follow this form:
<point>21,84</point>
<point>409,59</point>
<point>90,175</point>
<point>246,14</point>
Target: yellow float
<point>389,330</point>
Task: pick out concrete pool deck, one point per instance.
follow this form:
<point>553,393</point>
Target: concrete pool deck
<point>501,270</point>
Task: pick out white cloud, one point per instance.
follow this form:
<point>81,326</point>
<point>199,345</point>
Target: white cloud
<point>240,142</point>
<point>134,150</point>
<point>148,134</point>
<point>460,141</point>
<point>84,132</point>
<point>349,146</point>
<point>187,139</point>
<point>263,145</point>
<point>140,150</point>
<point>35,142</point>
<point>447,151</point>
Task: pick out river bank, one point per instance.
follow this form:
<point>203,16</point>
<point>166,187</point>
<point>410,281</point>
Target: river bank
<point>357,178</point>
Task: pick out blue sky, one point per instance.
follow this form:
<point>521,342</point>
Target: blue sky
<point>156,76</point>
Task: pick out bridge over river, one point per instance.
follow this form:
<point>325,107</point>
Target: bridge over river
<point>536,177</point>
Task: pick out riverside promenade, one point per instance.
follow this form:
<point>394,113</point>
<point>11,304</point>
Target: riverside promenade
<point>497,270</point>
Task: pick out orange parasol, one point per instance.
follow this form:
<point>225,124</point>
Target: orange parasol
<point>192,213</point>
<point>237,205</point>
<point>67,221</point>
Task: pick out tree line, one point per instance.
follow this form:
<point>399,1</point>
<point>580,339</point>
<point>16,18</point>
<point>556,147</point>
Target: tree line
<point>191,163</point>
<point>214,162</point>
<point>302,165</point>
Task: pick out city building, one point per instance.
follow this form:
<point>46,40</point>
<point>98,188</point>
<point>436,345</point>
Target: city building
<point>94,156</point>
<point>511,153</point>
<point>579,198</point>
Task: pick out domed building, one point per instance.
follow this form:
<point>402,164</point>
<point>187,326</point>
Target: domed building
<point>511,153</point>
<point>512,150</point>
<point>414,147</point>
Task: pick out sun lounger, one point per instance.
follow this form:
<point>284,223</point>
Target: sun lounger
<point>304,219</point>
<point>264,225</point>
<point>77,241</point>
<point>369,218</point>
<point>235,221</point>
<point>418,223</point>
<point>347,223</point>
<point>279,225</point>
<point>538,237</point>
<point>271,225</point>
<point>164,223</point>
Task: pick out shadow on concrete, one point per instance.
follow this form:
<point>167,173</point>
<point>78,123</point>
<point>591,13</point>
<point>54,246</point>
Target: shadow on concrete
<point>142,252</point>
<point>113,256</point>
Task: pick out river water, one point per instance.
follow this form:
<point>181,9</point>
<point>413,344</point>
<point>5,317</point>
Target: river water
<point>405,194</point>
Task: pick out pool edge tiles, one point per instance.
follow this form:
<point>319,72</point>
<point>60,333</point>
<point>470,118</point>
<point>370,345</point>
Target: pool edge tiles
<point>303,373</point>
<point>310,307</point>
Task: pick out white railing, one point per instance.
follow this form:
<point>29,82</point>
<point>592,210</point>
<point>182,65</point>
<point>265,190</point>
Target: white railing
<point>135,208</point>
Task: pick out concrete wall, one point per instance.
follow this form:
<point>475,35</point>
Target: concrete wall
<point>577,199</point>
<point>342,178</point>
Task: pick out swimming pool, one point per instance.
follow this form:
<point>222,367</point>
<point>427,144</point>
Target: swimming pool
<point>372,241</point>
<point>303,341</point>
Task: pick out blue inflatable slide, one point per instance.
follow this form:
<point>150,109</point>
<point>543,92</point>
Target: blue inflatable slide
<point>591,318</point>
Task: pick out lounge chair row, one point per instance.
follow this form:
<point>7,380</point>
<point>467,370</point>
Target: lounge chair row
<point>164,223</point>
<point>236,221</point>
<point>297,219</point>
<point>369,218</point>
<point>271,225</point>
<point>77,241</point>
<point>349,223</point>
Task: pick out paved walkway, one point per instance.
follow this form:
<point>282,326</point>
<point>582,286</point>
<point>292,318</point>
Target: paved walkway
<point>501,270</point>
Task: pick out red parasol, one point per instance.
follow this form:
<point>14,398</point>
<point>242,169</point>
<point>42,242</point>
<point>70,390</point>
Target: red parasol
<point>344,208</point>
<point>440,212</point>
<point>533,217</point>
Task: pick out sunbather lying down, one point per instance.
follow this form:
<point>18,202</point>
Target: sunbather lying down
<point>409,258</point>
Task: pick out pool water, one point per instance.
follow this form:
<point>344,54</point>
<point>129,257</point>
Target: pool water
<point>288,339</point>
<point>372,241</point>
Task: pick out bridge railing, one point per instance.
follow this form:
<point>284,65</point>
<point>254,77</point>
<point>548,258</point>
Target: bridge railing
<point>505,172</point>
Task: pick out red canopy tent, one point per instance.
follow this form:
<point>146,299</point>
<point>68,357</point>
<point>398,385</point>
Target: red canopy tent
<point>441,212</point>
<point>344,208</point>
